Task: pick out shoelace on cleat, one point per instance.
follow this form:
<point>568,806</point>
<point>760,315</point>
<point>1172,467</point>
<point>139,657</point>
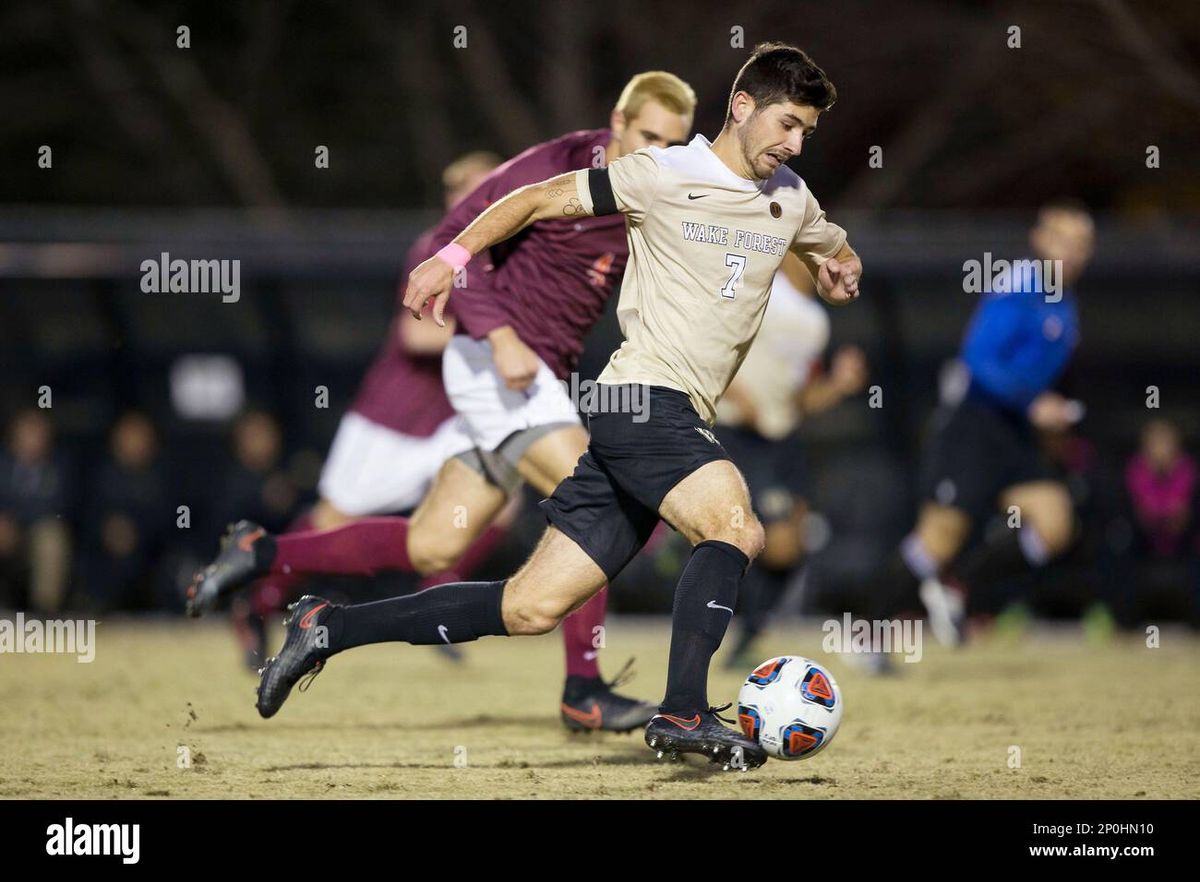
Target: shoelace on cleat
<point>307,679</point>
<point>716,712</point>
<point>623,676</point>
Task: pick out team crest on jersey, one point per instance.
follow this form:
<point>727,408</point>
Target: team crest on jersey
<point>776,210</point>
<point>708,436</point>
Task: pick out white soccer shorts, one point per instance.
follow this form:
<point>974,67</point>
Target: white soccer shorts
<point>490,410</point>
<point>372,469</point>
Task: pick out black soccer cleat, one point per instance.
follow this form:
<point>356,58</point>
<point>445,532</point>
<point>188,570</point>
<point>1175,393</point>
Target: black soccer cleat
<point>590,705</point>
<point>305,648</point>
<point>703,733</point>
<point>235,565</point>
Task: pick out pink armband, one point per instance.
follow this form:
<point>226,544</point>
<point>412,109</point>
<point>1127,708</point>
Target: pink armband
<point>455,255</point>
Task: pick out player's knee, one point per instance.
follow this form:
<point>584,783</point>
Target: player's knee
<point>1055,529</point>
<point>756,539</point>
<point>327,516</point>
<point>429,557</point>
<point>943,533</point>
<point>1053,517</point>
<point>1059,539</point>
<point>749,536</point>
<point>530,616</point>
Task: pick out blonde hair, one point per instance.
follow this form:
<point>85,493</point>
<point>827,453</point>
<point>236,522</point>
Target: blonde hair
<point>657,85</point>
<point>457,172</point>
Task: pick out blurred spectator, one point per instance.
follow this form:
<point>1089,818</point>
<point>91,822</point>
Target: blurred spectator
<point>255,486</point>
<point>127,517</point>
<point>35,495</point>
<point>1161,481</point>
<point>1154,572</point>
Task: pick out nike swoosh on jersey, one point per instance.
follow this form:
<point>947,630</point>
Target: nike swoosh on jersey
<point>693,196</point>
<point>712,604</point>
<point>442,629</point>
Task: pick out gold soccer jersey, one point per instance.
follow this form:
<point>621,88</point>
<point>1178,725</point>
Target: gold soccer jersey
<point>704,245</point>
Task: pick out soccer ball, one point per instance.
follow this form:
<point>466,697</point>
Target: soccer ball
<point>791,706</point>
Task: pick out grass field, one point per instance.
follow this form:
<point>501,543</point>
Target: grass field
<point>1112,720</point>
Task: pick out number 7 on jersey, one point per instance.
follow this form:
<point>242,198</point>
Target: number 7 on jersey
<point>738,263</point>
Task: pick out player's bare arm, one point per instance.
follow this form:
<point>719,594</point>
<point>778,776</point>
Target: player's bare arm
<point>556,197</point>
<point>516,363</point>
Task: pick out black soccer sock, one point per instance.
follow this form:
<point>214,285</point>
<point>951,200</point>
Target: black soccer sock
<point>577,687</point>
<point>457,612</point>
<point>264,552</point>
<point>704,602</point>
<point>1003,555</point>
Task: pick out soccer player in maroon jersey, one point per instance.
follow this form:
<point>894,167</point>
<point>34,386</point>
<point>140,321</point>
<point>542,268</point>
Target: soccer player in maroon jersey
<point>521,317</point>
<point>400,415</point>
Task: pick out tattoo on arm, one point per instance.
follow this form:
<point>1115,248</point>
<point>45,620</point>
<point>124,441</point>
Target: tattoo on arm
<point>557,197</point>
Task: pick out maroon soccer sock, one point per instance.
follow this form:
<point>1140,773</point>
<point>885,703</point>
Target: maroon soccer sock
<point>271,593</point>
<point>583,632</point>
<point>363,548</point>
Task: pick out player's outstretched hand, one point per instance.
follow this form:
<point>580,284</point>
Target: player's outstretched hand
<point>431,280</point>
<point>837,280</point>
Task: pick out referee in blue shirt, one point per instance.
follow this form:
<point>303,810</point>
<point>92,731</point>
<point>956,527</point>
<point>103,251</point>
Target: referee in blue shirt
<point>983,452</point>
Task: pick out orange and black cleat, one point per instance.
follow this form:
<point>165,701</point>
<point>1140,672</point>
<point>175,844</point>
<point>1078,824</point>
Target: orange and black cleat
<point>702,732</point>
<point>305,648</point>
<point>591,705</point>
<point>236,564</point>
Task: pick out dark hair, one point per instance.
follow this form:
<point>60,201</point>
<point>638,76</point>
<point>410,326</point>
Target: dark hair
<point>778,72</point>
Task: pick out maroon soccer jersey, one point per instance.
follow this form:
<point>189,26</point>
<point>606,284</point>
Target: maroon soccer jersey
<point>402,391</point>
<point>549,282</point>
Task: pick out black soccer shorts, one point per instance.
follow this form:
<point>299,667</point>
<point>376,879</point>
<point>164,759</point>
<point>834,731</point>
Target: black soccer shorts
<point>977,451</point>
<point>609,505</point>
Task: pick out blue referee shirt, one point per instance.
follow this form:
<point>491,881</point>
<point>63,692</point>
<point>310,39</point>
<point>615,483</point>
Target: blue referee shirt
<point>1017,345</point>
